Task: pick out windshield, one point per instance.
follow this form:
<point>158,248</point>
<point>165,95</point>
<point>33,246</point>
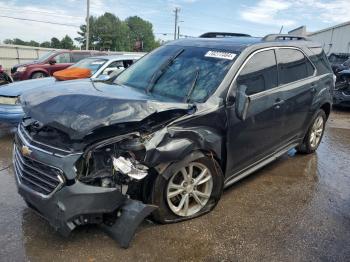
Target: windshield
<point>44,57</point>
<point>93,64</point>
<point>179,73</point>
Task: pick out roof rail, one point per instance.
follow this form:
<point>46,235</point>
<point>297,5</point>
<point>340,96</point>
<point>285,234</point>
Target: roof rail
<point>222,34</point>
<point>276,37</point>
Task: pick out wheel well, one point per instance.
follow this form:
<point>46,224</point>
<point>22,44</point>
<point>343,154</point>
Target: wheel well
<point>31,75</point>
<point>326,108</point>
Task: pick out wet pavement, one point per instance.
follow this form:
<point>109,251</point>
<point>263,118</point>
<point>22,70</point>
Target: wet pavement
<point>295,209</point>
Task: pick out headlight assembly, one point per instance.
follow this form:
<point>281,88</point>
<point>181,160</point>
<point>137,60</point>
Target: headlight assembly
<point>9,100</point>
<point>21,69</point>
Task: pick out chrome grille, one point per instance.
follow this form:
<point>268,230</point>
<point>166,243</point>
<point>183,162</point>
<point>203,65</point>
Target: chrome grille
<point>36,175</point>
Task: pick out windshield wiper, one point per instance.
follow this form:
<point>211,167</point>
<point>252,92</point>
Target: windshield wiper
<point>193,86</point>
<point>156,76</point>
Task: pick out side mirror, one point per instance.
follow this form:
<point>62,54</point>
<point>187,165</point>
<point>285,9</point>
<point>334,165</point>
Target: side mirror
<point>242,102</point>
<point>52,61</point>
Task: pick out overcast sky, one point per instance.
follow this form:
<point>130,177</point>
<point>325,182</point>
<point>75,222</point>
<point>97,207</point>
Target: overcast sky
<point>255,17</point>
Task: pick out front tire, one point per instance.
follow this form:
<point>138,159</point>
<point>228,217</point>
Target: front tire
<point>187,189</point>
<point>38,75</point>
<point>314,135</point>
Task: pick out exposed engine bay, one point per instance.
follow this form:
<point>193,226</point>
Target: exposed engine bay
<point>118,164</point>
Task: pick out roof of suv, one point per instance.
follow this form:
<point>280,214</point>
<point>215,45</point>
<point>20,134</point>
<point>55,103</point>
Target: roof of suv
<point>237,44</point>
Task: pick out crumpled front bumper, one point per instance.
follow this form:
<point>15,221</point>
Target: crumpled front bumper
<point>70,203</point>
<point>74,203</point>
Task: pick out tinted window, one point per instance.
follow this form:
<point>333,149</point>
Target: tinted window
<point>320,61</point>
<point>62,58</point>
<point>293,66</point>
<point>76,57</point>
<point>260,73</point>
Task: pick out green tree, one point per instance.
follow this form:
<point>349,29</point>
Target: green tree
<point>141,34</point>
<point>108,32</point>
<point>46,44</point>
<point>55,42</point>
<point>67,43</point>
<point>8,41</point>
<point>33,43</point>
<point>92,36</point>
<point>17,41</point>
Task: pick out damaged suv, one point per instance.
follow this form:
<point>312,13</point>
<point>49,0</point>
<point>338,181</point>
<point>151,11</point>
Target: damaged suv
<point>169,133</point>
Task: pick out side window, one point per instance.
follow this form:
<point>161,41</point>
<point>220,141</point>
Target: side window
<point>127,63</point>
<point>260,73</point>
<point>76,57</point>
<point>293,66</point>
<point>320,60</point>
<point>62,58</point>
<point>116,66</point>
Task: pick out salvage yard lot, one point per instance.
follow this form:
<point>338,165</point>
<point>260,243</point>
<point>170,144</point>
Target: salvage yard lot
<point>295,209</point>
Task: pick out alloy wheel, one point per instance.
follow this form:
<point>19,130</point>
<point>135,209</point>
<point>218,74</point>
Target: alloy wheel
<point>189,189</point>
<point>316,131</point>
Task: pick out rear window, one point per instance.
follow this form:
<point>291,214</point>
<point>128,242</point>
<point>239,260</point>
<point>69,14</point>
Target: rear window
<point>293,66</point>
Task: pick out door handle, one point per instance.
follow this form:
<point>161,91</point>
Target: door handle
<point>278,103</point>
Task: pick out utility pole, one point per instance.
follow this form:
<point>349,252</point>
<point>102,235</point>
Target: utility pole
<point>177,10</point>
<point>87,23</point>
<point>178,32</point>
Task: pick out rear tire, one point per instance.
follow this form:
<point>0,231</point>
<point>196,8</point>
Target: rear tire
<point>38,75</point>
<point>314,134</point>
<point>187,189</point>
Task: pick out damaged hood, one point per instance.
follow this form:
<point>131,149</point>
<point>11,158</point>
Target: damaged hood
<point>80,107</point>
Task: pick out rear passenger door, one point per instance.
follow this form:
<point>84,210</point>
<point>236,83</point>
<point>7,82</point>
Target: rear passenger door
<point>260,133</point>
<point>298,84</point>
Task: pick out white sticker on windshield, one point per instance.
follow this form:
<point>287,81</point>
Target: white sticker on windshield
<point>98,62</point>
<point>221,55</point>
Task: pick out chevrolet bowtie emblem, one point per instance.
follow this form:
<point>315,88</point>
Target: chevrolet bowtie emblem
<point>26,151</point>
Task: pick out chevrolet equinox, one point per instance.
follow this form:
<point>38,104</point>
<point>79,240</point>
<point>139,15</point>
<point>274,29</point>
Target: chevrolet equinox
<point>167,135</point>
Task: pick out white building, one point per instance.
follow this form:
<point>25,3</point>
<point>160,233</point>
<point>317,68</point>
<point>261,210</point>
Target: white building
<point>335,39</point>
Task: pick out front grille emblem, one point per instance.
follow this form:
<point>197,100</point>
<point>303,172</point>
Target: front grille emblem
<point>26,151</point>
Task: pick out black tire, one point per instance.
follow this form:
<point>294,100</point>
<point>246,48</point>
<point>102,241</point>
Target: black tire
<point>164,214</point>
<point>38,75</point>
<point>307,147</point>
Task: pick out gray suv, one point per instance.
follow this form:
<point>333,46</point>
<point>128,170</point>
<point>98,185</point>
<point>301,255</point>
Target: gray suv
<point>167,135</point>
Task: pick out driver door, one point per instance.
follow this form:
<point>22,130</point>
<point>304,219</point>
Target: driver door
<point>260,132</point>
<point>63,60</point>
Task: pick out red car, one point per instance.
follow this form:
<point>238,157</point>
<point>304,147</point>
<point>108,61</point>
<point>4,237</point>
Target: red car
<point>50,63</point>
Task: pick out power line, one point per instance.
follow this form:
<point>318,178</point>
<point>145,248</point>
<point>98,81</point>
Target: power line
<point>38,21</point>
<point>39,12</point>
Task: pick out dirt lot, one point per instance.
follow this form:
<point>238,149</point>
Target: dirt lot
<point>295,209</point>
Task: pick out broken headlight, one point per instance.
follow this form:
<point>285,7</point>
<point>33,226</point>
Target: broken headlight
<point>114,163</point>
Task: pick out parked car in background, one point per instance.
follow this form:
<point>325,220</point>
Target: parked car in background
<point>170,132</point>
<point>101,67</point>
<point>336,59</point>
<point>341,95</point>
<point>4,77</point>
<point>340,67</point>
<point>49,63</point>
